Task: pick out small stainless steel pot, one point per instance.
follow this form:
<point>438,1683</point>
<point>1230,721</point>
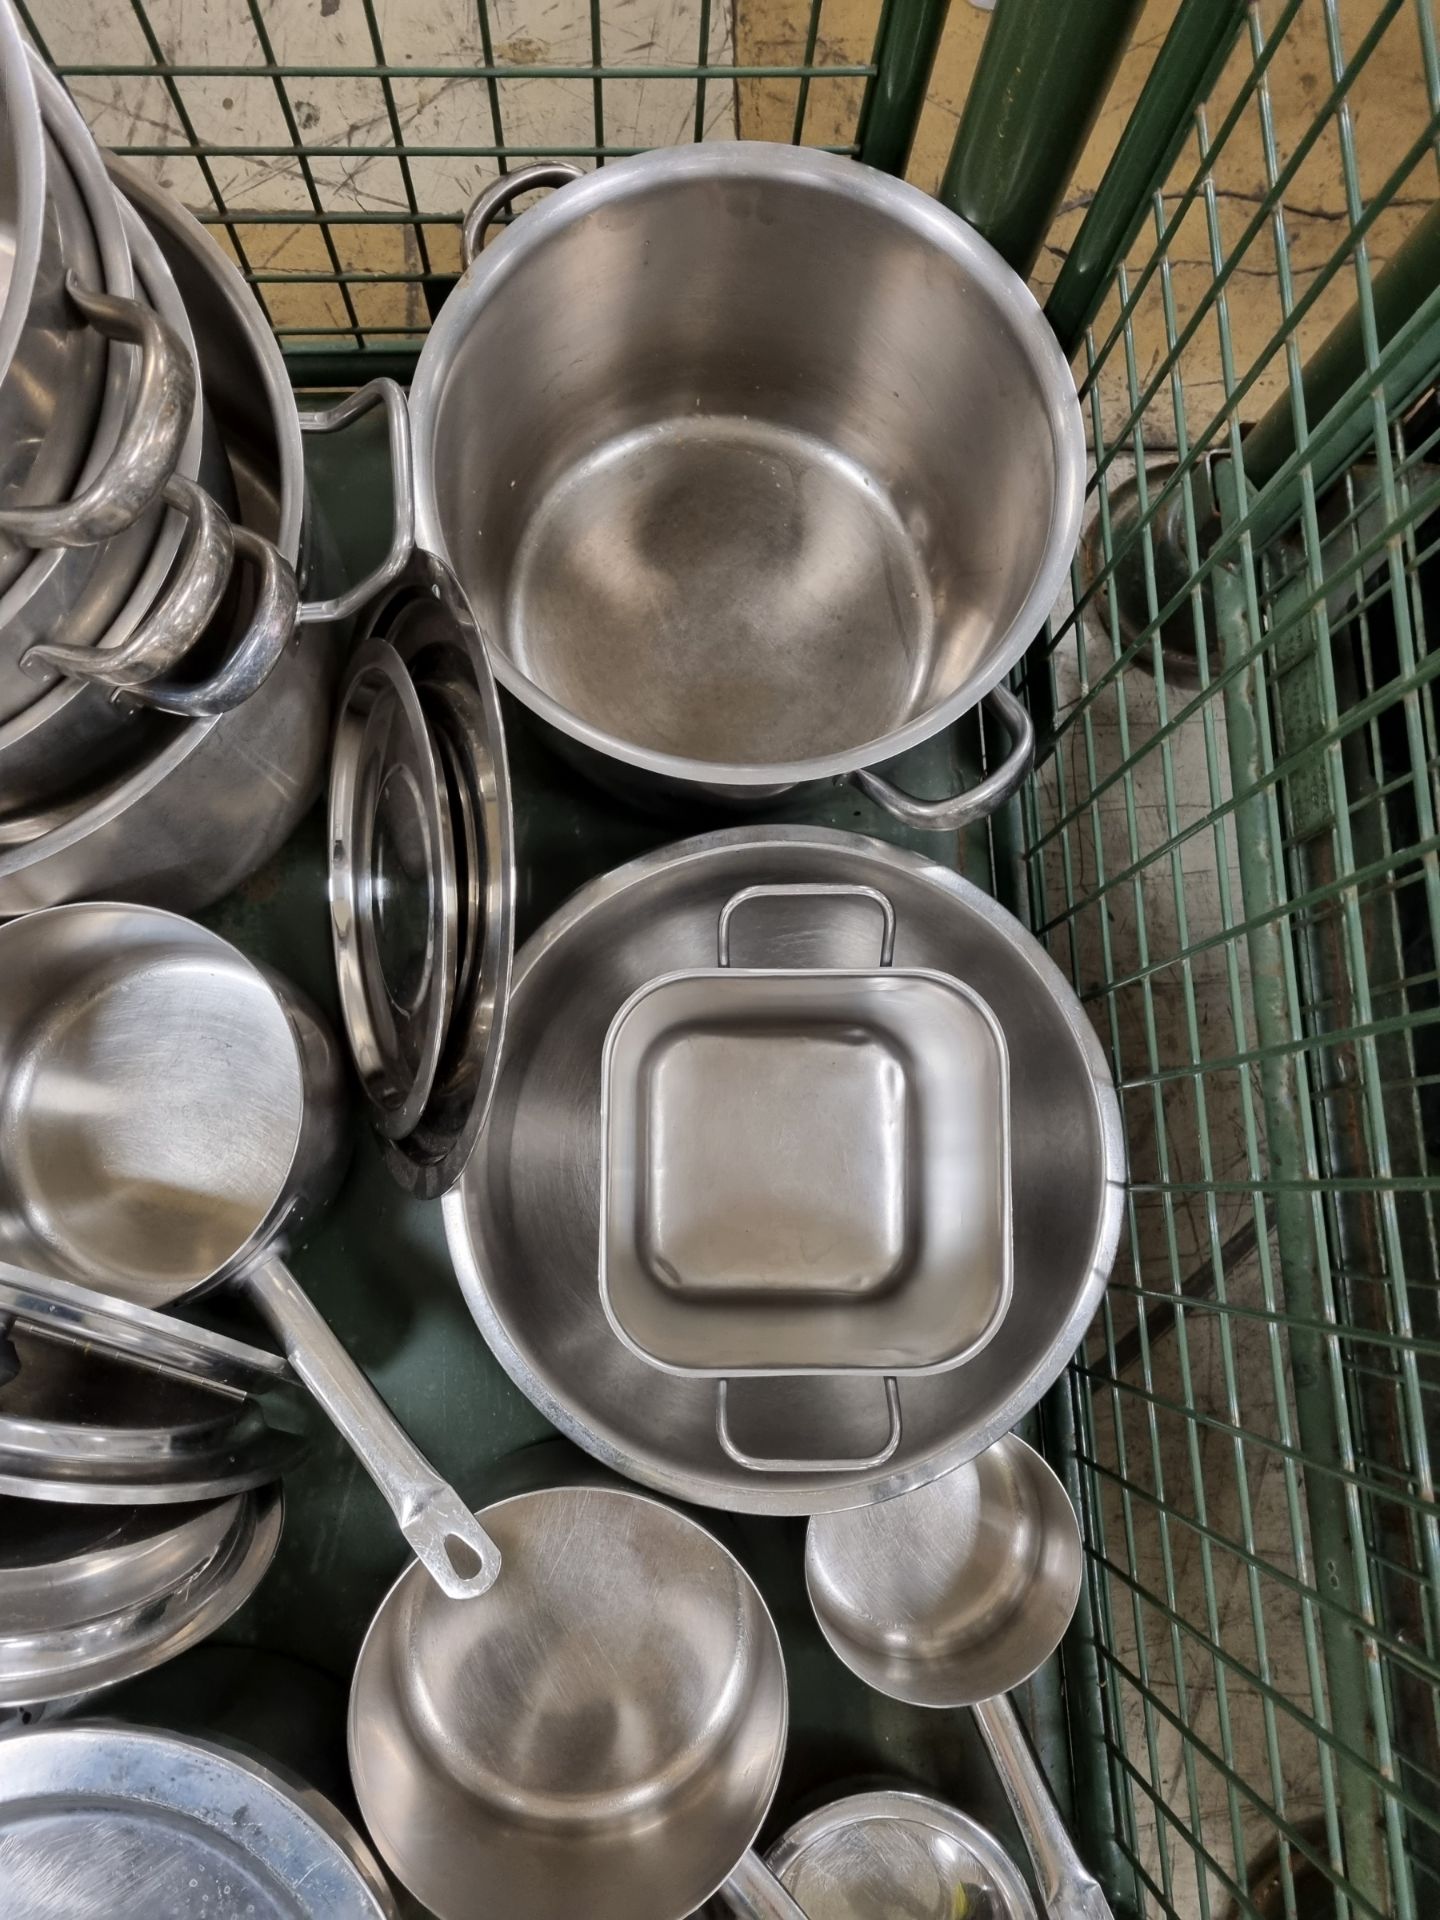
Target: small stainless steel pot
<point>758,467</point>
<point>951,1597</point>
<point>174,1115</point>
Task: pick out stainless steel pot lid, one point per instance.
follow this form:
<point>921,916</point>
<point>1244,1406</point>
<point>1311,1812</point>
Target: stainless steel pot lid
<point>523,1226</point>
<point>51,1662</point>
<point>82,1427</point>
<point>65,1566</point>
<point>392,888</point>
<point>423,623</point>
<point>120,1823</point>
<point>897,1856</point>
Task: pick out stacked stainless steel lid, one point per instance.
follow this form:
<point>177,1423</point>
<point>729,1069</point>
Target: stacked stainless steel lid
<point>139,1497</point>
<point>422,875</point>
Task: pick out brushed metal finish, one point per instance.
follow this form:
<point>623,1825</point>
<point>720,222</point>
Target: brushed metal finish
<point>951,1597</point>
<point>757,466</point>
<point>806,1170</point>
<point>121,1823</point>
<point>894,1855</point>
<point>523,1225</point>
<point>83,1427</point>
<point>169,1112</point>
<point>210,799</point>
<point>115,1643</point>
<point>601,1735</point>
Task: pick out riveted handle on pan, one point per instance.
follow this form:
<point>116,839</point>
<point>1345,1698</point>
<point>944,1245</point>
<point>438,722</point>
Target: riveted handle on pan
<point>977,802</point>
<point>493,200</point>
<point>147,448</point>
<point>379,393</point>
<point>765,1463</point>
<point>1069,1891</point>
<point>803,890</point>
<point>449,1541</point>
<point>754,1893</point>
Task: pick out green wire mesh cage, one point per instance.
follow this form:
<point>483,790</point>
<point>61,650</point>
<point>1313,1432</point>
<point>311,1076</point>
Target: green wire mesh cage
<point>1230,843</point>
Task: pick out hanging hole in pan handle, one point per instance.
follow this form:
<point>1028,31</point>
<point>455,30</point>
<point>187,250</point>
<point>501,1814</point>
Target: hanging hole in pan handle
<point>379,393</point>
<point>764,1463</point>
<point>271,629</point>
<point>977,802</point>
<point>147,448</point>
<point>808,890</point>
<point>493,200</point>
<point>177,618</point>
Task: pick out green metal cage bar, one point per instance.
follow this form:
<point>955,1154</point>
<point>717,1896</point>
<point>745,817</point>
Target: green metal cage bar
<point>1231,845</point>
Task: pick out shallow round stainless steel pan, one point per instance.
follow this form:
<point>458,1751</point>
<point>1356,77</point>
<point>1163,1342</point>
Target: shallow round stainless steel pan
<point>233,1543</point>
<point>138,1824</point>
<point>523,1224</point>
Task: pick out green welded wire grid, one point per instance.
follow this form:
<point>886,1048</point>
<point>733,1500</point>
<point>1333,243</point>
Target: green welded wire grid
<point>350,327</point>
<point>1261,1608</point>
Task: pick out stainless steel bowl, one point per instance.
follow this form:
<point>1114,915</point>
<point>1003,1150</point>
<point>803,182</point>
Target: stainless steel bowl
<point>757,465</point>
<point>524,1223</point>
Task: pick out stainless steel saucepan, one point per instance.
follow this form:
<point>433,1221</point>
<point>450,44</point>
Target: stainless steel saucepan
<point>950,1597</point>
<point>601,1735</point>
<point>170,1116</point>
<point>758,467</point>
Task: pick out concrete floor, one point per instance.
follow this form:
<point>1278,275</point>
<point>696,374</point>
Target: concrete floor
<point>1192,1126</point>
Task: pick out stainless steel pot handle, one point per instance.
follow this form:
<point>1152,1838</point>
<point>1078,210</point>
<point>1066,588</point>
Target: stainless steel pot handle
<point>808,889</point>
<point>180,615</point>
<point>379,393</point>
<point>449,1541</point>
<point>1068,1889</point>
<point>763,1463</point>
<point>494,199</point>
<point>147,448</point>
<point>977,802</point>
<point>754,1893</point>
<point>271,629</point>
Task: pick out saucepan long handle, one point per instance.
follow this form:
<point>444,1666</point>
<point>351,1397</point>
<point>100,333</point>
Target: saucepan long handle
<point>754,1893</point>
<point>1068,1888</point>
<point>448,1540</point>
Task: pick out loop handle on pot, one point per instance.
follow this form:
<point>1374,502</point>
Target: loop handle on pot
<point>979,801</point>
<point>449,1541</point>
<point>379,393</point>
<point>494,199</point>
<point>1068,1890</point>
<point>803,889</point>
<point>272,626</point>
<point>762,1463</point>
<point>147,448</point>
<point>180,615</point>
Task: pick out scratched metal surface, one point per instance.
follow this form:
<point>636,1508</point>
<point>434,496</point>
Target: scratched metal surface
<point>378,1267</point>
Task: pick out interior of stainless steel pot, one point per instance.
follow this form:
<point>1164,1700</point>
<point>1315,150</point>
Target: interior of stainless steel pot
<point>22,187</point>
<point>749,457</point>
<point>601,1734</point>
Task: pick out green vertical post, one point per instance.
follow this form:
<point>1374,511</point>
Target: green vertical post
<point>1398,293</point>
<point>1039,85</point>
<point>906,42</point>
<point>1186,68</point>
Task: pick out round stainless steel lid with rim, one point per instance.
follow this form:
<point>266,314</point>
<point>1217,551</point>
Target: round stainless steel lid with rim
<point>422,875</point>
<point>121,1823</point>
<point>881,1856</point>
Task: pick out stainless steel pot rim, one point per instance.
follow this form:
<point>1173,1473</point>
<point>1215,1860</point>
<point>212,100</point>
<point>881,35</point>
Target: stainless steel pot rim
<point>181,739</point>
<point>762,161</point>
<point>188,1788</point>
<point>25,132</point>
<point>596,1435</point>
<point>915,1810</point>
<point>39,1667</point>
